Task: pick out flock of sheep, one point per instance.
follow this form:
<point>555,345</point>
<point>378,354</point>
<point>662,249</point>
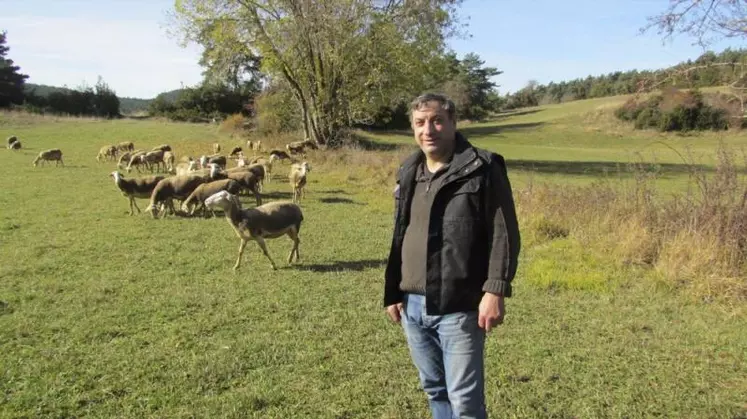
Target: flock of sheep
<point>208,184</point>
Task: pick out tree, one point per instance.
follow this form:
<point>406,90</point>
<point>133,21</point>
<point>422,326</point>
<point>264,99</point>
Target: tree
<point>105,100</point>
<point>707,21</point>
<point>343,59</point>
<point>11,81</point>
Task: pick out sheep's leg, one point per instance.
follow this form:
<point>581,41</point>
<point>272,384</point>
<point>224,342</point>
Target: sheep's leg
<point>257,197</point>
<point>241,252</point>
<point>135,203</point>
<point>132,200</point>
<point>293,234</point>
<point>263,246</point>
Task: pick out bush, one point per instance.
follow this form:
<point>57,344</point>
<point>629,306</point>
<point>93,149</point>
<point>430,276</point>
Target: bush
<point>674,110</point>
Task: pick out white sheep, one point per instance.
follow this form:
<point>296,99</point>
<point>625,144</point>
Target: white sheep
<point>297,178</point>
<point>268,221</point>
<point>54,154</point>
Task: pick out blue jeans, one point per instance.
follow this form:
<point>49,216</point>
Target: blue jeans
<point>448,353</point>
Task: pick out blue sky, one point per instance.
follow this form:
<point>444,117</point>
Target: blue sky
<point>71,42</point>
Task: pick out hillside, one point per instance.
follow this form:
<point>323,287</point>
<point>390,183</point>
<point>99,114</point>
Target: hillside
<point>127,105</point>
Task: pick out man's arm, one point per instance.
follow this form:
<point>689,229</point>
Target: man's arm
<point>503,230</point>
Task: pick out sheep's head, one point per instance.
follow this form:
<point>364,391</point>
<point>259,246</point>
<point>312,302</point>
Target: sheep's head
<point>115,175</point>
<point>222,200</point>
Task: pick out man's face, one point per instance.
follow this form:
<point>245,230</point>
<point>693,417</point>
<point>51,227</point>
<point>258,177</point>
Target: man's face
<point>434,130</point>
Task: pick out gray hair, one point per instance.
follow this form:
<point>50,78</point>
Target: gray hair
<point>443,101</point>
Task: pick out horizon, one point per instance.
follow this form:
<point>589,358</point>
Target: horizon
<point>107,39</point>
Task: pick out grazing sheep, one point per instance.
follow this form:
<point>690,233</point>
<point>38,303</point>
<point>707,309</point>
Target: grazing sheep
<point>179,187</point>
<point>12,139</point>
<point>234,151</point>
<point>279,155</point>
<point>297,178</point>
<point>136,159</point>
<point>298,147</point>
<point>216,148</point>
<point>50,155</point>
<point>136,188</point>
<point>124,159</point>
<point>15,145</point>
<point>107,152</point>
<point>126,146</point>
<point>247,179</point>
<point>205,190</point>
<point>269,221</point>
<point>162,147</point>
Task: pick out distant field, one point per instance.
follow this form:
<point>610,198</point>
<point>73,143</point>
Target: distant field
<point>107,315</point>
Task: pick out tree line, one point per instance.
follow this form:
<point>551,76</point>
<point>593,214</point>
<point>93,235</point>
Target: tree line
<point>710,69</point>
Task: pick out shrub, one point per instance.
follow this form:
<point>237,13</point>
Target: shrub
<point>675,110</point>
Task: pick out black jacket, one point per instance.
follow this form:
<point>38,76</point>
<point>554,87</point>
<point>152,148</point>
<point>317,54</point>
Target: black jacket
<point>473,235</point>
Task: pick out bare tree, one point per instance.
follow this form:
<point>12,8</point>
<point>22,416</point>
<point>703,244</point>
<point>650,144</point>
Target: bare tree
<point>705,20</point>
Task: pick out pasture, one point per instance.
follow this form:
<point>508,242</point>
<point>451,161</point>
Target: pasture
<point>108,315</point>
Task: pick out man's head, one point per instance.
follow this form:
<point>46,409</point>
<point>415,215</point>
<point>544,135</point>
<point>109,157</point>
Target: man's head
<point>433,119</point>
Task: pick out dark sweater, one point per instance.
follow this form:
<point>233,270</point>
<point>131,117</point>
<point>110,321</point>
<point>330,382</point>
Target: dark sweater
<point>414,246</point>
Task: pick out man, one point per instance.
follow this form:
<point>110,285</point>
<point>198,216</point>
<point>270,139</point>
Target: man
<point>453,256</point>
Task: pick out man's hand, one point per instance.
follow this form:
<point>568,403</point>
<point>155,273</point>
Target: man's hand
<point>491,311</point>
<point>394,312</point>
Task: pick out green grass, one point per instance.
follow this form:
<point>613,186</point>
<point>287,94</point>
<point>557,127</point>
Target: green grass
<point>106,315</point>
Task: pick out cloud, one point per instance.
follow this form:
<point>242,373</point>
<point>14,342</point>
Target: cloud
<point>135,57</point>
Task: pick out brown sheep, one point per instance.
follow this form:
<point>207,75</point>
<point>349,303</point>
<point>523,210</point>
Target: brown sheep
<point>268,221</point>
<point>136,188</point>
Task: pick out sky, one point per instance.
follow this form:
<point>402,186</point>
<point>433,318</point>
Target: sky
<point>73,42</point>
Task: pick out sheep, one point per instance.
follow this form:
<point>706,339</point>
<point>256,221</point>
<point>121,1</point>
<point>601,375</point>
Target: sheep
<point>124,159</point>
<point>219,160</point>
<point>298,147</point>
<point>246,178</point>
<point>12,139</point>
<point>162,147</point>
<point>154,157</point>
<point>259,170</point>
<point>297,178</point>
<point>205,190</point>
<point>136,188</point>
<point>49,155</point>
<point>107,152</point>
<point>279,155</point>
<point>168,161</point>
<point>15,145</point>
<point>126,146</point>
<point>235,151</point>
<point>257,145</point>
<point>268,221</point>
<point>136,159</point>
<point>216,148</point>
<point>249,145</point>
<point>179,187</point>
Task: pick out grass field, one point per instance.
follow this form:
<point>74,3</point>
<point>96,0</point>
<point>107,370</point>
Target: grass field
<point>107,315</point>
